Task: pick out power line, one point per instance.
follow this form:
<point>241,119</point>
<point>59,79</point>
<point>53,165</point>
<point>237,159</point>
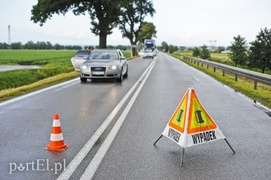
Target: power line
<point>212,43</point>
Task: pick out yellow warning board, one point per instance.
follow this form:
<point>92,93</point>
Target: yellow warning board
<point>199,119</point>
<point>177,120</point>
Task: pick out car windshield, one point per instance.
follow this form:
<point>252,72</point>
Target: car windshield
<point>104,56</point>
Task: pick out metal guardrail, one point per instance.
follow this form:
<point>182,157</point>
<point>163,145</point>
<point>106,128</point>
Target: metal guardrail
<point>257,77</point>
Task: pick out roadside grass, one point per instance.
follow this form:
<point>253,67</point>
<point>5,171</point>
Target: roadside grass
<point>55,67</point>
<point>14,92</point>
<point>245,86</point>
<point>127,54</point>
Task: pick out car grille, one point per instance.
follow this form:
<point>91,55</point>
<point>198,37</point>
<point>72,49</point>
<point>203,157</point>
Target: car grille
<point>98,71</point>
<point>97,68</point>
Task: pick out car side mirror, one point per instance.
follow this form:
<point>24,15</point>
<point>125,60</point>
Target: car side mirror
<point>122,58</point>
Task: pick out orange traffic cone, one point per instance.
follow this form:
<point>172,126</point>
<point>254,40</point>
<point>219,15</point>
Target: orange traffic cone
<point>56,139</point>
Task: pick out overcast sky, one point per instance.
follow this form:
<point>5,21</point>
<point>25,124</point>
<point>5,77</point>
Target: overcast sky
<point>178,22</point>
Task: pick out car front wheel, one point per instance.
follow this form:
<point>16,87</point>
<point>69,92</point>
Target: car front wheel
<point>120,79</point>
<point>126,74</point>
<point>83,79</point>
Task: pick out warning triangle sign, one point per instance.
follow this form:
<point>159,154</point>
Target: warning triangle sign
<point>178,118</point>
<point>190,124</point>
<point>199,119</point>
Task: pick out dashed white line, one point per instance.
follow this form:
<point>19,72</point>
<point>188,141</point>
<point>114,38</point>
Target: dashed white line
<point>97,159</point>
<point>67,173</point>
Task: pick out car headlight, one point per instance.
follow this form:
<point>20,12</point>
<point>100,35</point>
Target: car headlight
<point>84,67</point>
<point>113,67</point>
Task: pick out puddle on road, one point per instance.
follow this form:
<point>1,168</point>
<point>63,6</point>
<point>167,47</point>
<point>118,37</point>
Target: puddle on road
<point>9,67</point>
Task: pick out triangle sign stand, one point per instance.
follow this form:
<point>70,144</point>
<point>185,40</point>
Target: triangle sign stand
<point>191,125</point>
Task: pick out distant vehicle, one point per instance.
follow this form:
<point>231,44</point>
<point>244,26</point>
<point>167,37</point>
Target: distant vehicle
<point>141,52</point>
<point>155,52</point>
<point>104,64</point>
<point>79,58</point>
<point>148,53</point>
<point>149,44</point>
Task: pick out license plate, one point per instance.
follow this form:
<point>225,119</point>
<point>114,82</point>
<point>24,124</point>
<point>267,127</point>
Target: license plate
<point>97,72</point>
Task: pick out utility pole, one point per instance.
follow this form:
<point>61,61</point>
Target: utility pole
<point>9,38</point>
<point>212,43</point>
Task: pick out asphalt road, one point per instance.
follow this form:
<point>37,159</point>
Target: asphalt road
<point>130,116</point>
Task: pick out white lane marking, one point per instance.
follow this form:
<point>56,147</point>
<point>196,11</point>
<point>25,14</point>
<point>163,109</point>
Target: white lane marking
<point>196,78</point>
<point>38,92</point>
<point>97,159</point>
<point>66,86</point>
<point>67,172</point>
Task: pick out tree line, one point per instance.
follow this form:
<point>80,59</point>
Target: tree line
<point>165,47</point>
<point>41,45</point>
<point>38,45</point>
<point>256,54</point>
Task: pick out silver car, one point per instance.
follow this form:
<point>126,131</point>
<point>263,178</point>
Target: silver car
<point>104,64</point>
<point>80,57</point>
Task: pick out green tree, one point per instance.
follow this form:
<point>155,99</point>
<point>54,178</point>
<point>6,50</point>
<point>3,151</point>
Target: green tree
<point>29,45</point>
<point>176,48</point>
<point>148,31</point>
<point>196,52</point>
<point>260,50</point>
<point>3,46</point>
<point>58,46</point>
<point>49,45</point>
<point>164,46</point>
<point>204,53</point>
<point>16,45</point>
<point>41,45</point>
<point>133,13</point>
<point>182,48</point>
<point>239,51</point>
<point>220,49</point>
<point>104,14</point>
<point>171,49</point>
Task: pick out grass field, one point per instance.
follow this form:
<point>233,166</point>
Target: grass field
<point>52,62</point>
<point>40,57</point>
